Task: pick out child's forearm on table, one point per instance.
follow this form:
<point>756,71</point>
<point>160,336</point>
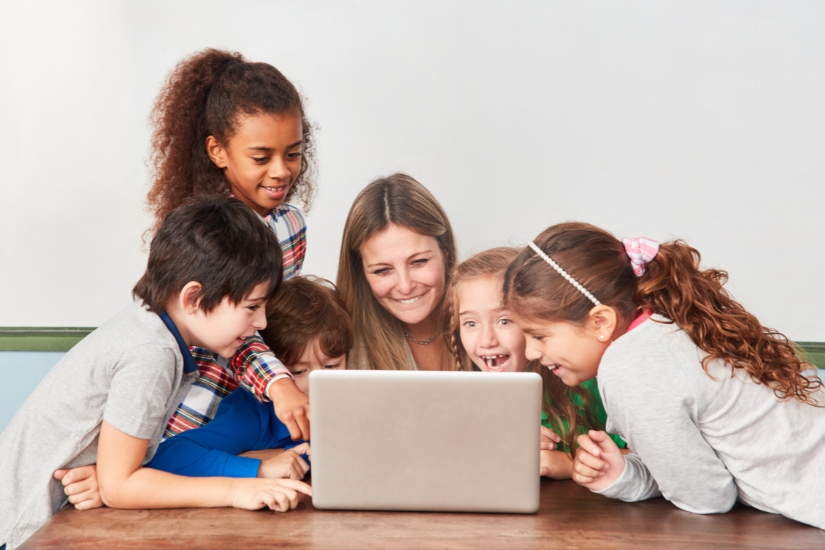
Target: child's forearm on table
<point>149,488</point>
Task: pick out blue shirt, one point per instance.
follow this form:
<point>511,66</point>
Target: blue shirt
<point>189,364</point>
<point>241,424</point>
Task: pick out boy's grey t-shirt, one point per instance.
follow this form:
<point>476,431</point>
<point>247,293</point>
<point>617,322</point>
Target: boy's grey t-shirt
<point>129,372</point>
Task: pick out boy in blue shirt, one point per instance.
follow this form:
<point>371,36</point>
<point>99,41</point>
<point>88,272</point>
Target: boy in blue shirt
<point>211,269</point>
<point>308,328</point>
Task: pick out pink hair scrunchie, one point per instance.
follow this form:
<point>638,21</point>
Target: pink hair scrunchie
<point>641,250</point>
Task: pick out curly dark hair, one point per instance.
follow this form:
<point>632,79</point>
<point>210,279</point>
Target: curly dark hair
<point>204,95</point>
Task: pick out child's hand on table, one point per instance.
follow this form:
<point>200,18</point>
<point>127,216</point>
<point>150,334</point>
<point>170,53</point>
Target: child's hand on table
<point>280,495</point>
<point>599,461</point>
<point>549,439</point>
<point>287,464</point>
<point>555,464</point>
<point>80,485</point>
<point>291,407</point>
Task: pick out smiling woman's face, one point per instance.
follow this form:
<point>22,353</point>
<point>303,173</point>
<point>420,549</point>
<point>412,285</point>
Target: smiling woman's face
<point>405,271</point>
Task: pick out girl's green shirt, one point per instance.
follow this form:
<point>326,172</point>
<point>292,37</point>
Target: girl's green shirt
<point>596,407</point>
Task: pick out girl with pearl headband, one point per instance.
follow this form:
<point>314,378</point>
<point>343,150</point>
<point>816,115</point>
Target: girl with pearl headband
<point>483,336</point>
<point>715,406</point>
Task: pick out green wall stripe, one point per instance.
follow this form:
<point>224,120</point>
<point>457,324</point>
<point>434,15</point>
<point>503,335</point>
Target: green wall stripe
<point>814,353</point>
<point>41,339</point>
<point>62,339</point>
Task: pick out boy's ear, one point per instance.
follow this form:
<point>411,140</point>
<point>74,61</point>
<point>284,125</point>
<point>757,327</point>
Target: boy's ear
<point>601,322</point>
<point>216,152</point>
<point>189,297</point>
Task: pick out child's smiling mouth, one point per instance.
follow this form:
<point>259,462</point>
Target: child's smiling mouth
<point>497,362</point>
<point>275,192</point>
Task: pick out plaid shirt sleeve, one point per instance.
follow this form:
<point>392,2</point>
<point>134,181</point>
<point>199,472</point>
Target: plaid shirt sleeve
<point>290,227</point>
<point>214,382</point>
<point>255,367</point>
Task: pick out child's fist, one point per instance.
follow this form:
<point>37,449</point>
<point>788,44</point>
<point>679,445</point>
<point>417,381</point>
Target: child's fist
<point>599,461</point>
<point>289,464</point>
<point>80,485</point>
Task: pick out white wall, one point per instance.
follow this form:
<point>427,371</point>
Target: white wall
<point>700,120</point>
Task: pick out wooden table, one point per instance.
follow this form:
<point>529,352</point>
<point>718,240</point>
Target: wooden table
<point>570,517</point>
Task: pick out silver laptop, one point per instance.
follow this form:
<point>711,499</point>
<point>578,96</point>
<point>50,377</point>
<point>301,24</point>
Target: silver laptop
<point>426,441</point>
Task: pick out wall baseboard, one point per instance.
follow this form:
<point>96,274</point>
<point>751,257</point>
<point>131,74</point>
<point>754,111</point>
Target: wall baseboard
<point>64,338</point>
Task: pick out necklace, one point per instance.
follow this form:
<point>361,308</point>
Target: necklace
<point>421,342</point>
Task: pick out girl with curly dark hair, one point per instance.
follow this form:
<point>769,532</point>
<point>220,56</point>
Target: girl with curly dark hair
<point>225,125</point>
<point>715,406</point>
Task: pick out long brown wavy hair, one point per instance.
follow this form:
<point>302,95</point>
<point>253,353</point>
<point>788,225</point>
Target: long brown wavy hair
<point>397,199</point>
<point>559,402</point>
<point>204,95</point>
<point>673,285</point>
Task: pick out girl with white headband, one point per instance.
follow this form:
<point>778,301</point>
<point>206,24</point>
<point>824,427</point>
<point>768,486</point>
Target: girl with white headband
<point>482,336</point>
<point>714,406</point>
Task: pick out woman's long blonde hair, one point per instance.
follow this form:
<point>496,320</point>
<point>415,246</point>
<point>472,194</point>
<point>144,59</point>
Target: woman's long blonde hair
<point>397,199</point>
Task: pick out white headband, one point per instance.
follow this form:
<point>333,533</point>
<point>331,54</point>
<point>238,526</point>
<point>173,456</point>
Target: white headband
<point>563,273</point>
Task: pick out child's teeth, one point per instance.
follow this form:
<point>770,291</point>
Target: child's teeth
<point>495,360</point>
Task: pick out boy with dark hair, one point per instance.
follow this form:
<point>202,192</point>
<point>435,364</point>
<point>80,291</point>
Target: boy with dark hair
<point>212,267</point>
<point>308,328</point>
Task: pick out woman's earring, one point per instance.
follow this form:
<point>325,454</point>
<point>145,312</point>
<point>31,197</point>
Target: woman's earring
<point>601,337</point>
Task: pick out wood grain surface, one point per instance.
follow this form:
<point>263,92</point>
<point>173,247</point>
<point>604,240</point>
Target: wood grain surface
<point>570,517</point>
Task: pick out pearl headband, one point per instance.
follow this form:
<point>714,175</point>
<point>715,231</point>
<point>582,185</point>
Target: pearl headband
<point>563,273</point>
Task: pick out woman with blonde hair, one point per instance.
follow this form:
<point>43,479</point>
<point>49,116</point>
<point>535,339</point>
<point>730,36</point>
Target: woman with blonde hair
<point>397,254</point>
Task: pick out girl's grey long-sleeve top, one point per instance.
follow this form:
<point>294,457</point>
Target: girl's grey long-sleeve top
<point>702,440</point>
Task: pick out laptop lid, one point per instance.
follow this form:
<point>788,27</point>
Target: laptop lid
<point>426,441</point>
